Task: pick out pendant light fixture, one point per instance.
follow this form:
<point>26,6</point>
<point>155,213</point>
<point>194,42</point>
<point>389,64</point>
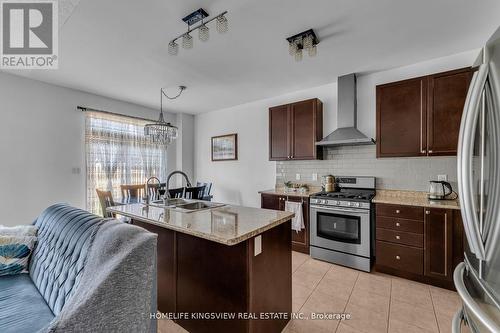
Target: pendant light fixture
<point>161,132</point>
<point>305,41</point>
<point>222,26</point>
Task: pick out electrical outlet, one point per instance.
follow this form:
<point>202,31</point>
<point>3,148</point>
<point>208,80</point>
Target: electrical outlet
<point>315,177</point>
<point>257,249</point>
<point>443,178</point>
<point>76,171</point>
<point>297,176</point>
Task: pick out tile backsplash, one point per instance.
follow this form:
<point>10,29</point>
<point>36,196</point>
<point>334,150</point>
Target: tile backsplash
<point>411,173</point>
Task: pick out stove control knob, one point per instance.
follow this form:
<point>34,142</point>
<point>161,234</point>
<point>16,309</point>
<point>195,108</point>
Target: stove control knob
<point>324,202</point>
<point>356,204</point>
<point>350,204</point>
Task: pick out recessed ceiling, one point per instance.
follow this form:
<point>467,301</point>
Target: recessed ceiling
<point>119,48</point>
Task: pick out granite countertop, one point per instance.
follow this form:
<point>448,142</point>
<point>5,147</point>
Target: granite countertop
<point>281,191</point>
<point>413,198</point>
<point>227,225</point>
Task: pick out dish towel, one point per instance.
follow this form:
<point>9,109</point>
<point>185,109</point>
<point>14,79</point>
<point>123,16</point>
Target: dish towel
<point>298,220</point>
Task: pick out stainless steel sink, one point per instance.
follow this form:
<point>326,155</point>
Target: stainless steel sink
<point>169,203</point>
<point>185,205</point>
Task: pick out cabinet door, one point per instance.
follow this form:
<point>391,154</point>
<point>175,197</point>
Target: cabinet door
<point>270,201</point>
<point>447,94</point>
<point>401,118</point>
<point>279,147</point>
<point>438,226</point>
<point>303,130</point>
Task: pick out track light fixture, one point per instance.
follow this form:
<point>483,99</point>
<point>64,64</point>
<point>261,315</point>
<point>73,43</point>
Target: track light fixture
<point>305,41</point>
<point>222,26</point>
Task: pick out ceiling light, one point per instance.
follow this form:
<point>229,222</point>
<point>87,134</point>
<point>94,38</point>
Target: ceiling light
<point>222,26</point>
<point>313,51</point>
<point>306,40</point>
<point>173,48</point>
<point>161,132</point>
<point>187,41</point>
<point>204,33</point>
<point>298,55</point>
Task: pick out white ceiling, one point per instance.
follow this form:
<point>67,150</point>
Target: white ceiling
<point>119,48</point>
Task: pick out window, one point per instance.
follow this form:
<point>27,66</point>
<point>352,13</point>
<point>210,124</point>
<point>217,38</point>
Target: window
<point>118,152</point>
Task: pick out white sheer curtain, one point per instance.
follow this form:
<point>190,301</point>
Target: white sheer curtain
<point>117,152</point>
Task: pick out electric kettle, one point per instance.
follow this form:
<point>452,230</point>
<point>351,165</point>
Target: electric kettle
<point>440,190</point>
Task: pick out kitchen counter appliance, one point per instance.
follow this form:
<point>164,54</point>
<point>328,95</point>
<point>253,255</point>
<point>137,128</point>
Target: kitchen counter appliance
<point>342,223</point>
<point>440,190</point>
<point>477,279</point>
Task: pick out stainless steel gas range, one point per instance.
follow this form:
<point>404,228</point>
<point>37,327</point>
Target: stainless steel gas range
<point>342,223</point>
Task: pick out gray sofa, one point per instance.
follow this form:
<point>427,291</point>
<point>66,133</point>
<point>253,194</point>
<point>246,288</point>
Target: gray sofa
<point>86,274</point>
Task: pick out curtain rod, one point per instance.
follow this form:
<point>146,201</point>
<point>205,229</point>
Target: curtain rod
<point>85,109</point>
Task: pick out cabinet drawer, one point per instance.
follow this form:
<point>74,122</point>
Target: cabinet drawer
<point>405,238</point>
<point>400,257</point>
<point>403,212</point>
<point>393,223</point>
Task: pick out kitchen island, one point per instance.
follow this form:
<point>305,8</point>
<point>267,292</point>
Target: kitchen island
<point>224,269</point>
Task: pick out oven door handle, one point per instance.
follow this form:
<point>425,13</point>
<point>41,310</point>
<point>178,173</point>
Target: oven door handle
<point>357,211</point>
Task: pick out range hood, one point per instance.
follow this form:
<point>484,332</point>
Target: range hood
<point>346,134</point>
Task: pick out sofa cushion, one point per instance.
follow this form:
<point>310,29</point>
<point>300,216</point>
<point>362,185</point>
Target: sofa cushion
<point>22,308</point>
<point>65,235</point>
<point>15,253</point>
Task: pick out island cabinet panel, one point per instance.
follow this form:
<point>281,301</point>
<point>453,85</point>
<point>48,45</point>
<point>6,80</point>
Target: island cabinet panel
<point>294,130</point>
<point>300,240</point>
<point>421,116</point>
<point>425,248</point>
<point>199,276</point>
<point>167,278</point>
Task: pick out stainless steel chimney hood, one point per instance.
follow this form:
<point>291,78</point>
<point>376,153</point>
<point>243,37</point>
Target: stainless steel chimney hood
<point>346,133</point>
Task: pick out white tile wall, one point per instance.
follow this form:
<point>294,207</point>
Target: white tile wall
<point>392,173</point>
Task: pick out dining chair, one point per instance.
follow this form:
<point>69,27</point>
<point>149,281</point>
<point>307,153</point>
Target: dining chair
<point>132,193</point>
<point>105,200</point>
<point>194,192</point>
<point>176,192</point>
<point>156,191</point>
<point>206,193</point>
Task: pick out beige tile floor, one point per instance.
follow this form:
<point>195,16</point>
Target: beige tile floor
<point>375,302</point>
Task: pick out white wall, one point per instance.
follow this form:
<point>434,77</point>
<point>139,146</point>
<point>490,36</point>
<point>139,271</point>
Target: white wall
<point>239,181</point>
<point>42,139</point>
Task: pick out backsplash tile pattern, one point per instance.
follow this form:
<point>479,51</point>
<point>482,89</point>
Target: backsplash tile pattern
<point>392,173</point>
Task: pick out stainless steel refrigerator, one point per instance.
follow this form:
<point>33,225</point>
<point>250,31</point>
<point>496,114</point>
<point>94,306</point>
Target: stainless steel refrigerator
<point>477,279</point>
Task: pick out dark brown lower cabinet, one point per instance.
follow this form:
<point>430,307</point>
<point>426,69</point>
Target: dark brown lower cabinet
<point>197,276</point>
<point>421,244</point>
<point>300,240</point>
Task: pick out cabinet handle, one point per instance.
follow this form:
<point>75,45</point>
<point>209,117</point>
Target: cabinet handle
<point>398,237</point>
<point>421,117</point>
<point>398,211</point>
<point>398,257</point>
<point>427,212</point>
<point>398,224</point>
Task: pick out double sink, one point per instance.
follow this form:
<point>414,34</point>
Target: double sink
<point>185,205</point>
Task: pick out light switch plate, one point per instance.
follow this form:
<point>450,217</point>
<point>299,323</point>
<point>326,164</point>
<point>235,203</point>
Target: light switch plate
<point>315,177</point>
<point>297,176</point>
<point>443,178</point>
<point>257,248</point>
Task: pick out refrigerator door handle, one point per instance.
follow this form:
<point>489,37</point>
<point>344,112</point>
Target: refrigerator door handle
<point>468,301</point>
<point>456,323</point>
<point>464,162</point>
<point>491,227</point>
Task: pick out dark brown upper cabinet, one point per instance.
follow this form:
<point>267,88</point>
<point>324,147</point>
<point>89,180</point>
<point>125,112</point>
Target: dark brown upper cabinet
<point>294,130</point>
<point>421,116</point>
